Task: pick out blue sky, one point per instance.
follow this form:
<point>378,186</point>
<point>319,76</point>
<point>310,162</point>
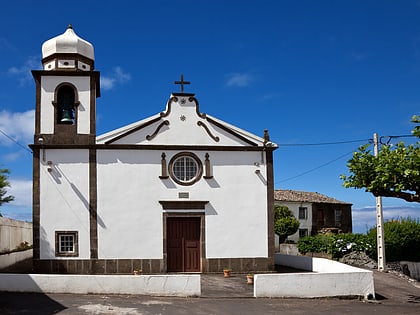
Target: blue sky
<point>310,72</point>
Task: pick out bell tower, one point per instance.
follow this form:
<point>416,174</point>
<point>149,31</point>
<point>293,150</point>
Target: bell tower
<point>66,92</point>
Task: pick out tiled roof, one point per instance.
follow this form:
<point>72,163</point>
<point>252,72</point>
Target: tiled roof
<point>303,196</point>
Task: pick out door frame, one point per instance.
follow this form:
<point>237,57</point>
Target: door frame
<point>185,215</point>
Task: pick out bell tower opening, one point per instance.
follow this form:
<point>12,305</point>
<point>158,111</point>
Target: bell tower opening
<point>66,104</point>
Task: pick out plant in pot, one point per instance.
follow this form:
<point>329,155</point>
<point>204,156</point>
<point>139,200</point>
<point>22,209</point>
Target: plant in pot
<point>227,272</point>
<point>250,278</point>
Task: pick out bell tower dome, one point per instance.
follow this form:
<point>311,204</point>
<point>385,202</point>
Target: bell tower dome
<point>67,51</point>
<point>66,91</point>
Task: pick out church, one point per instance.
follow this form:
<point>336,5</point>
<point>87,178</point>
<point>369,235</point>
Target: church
<point>180,191</point>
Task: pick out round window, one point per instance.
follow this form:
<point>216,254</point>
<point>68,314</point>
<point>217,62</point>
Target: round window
<point>185,168</point>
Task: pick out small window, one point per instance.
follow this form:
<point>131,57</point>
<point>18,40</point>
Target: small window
<point>66,244</point>
<point>303,232</point>
<point>338,217</point>
<point>303,213</point>
<point>185,168</point>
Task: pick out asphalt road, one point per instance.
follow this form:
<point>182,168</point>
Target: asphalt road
<point>395,295</point>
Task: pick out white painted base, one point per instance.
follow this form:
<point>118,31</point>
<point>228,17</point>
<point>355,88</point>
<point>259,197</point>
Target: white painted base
<point>327,279</point>
<point>157,285</point>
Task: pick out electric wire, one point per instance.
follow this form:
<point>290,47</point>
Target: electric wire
<point>321,143</point>
<point>15,141</point>
<point>315,168</point>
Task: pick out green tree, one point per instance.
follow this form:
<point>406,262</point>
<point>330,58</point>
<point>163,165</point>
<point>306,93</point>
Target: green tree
<point>285,223</point>
<point>3,184</point>
<point>395,172</point>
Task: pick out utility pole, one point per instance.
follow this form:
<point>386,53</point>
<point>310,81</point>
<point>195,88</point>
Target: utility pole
<point>379,219</point>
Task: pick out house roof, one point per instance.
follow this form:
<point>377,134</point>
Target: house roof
<point>304,196</point>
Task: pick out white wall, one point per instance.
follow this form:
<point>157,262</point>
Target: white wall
<point>325,278</point>
<point>161,285</point>
<point>64,199</point>
<point>48,87</point>
<point>130,217</point>
<point>304,224</point>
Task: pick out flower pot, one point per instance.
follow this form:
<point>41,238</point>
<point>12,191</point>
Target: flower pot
<point>250,279</point>
<point>227,273</point>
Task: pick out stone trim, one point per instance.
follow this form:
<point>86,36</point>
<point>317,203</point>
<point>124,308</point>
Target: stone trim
<point>192,156</point>
<point>93,211</point>
<point>239,265</point>
<point>183,204</point>
<point>270,209</point>
<point>98,266</point>
<point>36,203</point>
<point>76,243</point>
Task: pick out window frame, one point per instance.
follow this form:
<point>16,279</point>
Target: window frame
<point>338,213</point>
<point>303,233</point>
<point>191,156</point>
<point>305,213</point>
<point>58,244</point>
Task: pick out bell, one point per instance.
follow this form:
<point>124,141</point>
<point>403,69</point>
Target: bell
<point>66,116</point>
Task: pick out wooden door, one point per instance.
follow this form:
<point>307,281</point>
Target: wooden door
<point>183,244</point>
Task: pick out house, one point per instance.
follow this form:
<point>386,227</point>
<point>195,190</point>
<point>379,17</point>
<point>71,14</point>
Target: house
<point>315,212</point>
<point>181,191</point>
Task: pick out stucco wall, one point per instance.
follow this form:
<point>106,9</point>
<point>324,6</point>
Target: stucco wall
<point>64,199</point>
<point>130,216</point>
<point>13,233</point>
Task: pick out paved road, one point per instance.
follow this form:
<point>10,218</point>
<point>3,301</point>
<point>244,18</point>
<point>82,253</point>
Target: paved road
<point>395,296</point>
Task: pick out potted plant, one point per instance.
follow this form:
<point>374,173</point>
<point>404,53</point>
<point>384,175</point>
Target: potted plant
<point>250,278</point>
<point>227,272</point>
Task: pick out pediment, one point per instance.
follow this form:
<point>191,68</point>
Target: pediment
<point>181,123</point>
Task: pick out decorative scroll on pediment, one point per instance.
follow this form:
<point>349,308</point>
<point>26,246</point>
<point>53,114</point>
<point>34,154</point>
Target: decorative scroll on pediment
<point>172,99</point>
<point>201,124</point>
<point>164,123</point>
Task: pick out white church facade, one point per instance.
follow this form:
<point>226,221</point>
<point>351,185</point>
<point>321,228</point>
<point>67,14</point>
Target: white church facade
<point>181,191</point>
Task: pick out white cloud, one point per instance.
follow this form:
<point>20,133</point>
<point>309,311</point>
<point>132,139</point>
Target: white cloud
<point>238,80</point>
<point>365,218</point>
<point>118,76</point>
<point>22,191</point>
<point>19,126</point>
<point>23,72</point>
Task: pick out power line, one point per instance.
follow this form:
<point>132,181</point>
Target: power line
<point>322,143</point>
<point>315,168</point>
<point>15,141</point>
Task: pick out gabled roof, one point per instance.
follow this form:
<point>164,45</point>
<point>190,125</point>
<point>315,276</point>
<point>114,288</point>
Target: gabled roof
<point>182,123</point>
<point>304,196</point>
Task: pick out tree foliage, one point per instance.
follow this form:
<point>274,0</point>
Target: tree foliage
<point>402,239</point>
<point>395,172</point>
<point>285,223</point>
<point>3,184</point>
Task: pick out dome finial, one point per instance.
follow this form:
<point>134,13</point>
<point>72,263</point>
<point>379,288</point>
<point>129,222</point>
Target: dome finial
<point>70,27</point>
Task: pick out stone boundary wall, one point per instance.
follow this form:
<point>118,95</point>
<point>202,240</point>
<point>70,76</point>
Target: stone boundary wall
<point>155,285</point>
<point>13,233</point>
<point>326,278</point>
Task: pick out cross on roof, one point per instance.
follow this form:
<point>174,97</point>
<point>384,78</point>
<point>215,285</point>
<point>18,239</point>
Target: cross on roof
<point>182,83</point>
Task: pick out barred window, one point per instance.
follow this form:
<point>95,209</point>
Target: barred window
<point>66,243</point>
<point>185,168</point>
